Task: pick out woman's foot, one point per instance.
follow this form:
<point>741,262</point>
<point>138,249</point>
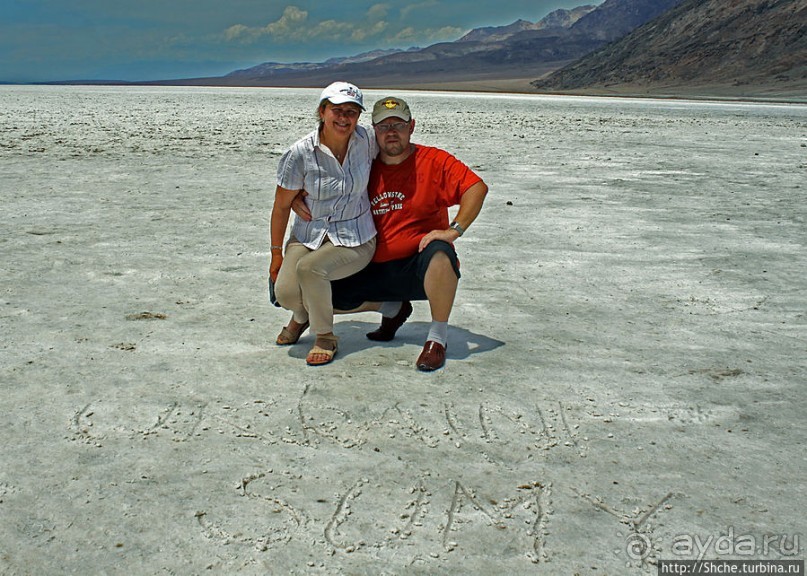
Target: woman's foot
<point>323,351</point>
<point>291,333</point>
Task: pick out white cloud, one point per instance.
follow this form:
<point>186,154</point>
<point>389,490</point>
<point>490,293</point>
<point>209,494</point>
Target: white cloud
<point>365,33</point>
<point>446,32</point>
<point>236,32</point>
<point>290,24</point>
<point>295,25</point>
<point>423,35</point>
<point>407,10</point>
<point>293,20</point>
<point>378,11</point>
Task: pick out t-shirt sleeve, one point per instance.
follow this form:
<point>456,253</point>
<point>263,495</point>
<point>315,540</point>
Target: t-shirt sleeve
<point>290,170</point>
<point>457,178</point>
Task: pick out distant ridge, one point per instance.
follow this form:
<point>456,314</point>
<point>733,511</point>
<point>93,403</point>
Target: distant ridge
<point>277,68</point>
<point>423,63</point>
<point>558,19</point>
<point>613,19</point>
<point>689,48</point>
<point>504,58</point>
<point>752,48</point>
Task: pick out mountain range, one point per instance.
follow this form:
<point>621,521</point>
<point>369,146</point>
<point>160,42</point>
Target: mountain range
<point>495,58</point>
<point>481,53</point>
<point>745,48</point>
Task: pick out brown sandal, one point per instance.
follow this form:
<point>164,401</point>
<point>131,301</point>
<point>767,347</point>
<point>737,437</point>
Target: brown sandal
<point>287,337</point>
<point>329,353</point>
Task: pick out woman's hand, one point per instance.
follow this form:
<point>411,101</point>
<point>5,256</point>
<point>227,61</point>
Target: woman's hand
<point>277,226</point>
<point>274,265</point>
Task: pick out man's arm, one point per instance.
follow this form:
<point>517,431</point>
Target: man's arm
<point>299,206</point>
<point>470,206</point>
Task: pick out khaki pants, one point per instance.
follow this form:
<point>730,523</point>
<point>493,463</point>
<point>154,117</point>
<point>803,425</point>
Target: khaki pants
<point>304,281</point>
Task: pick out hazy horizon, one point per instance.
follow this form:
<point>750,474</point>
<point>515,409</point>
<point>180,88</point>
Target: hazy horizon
<point>49,41</point>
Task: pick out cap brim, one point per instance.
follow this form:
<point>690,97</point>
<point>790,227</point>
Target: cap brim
<point>389,114</point>
<point>338,100</point>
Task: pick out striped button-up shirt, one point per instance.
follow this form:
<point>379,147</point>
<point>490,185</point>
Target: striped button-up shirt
<point>337,193</point>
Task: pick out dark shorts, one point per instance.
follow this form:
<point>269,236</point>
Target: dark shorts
<point>393,281</point>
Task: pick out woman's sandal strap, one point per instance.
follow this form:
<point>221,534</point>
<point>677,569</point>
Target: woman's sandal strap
<point>287,337</point>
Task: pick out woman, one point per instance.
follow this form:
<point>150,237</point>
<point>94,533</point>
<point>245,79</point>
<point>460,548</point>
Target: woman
<point>332,164</point>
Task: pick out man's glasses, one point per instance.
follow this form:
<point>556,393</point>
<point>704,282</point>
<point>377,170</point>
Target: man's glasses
<point>397,126</point>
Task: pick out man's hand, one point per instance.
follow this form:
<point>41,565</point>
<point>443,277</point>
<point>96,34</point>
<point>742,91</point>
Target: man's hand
<point>449,235</point>
<point>300,207</point>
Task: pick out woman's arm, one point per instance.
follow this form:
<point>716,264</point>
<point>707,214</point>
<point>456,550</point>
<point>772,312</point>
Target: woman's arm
<point>278,224</point>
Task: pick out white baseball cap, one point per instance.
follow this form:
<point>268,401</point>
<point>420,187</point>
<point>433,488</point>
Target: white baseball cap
<point>342,93</point>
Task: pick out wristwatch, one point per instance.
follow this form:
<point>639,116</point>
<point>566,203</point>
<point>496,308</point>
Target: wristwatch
<point>455,226</point>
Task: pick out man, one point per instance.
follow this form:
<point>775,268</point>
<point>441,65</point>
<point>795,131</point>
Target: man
<point>411,188</point>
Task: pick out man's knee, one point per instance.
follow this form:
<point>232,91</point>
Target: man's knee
<point>441,263</point>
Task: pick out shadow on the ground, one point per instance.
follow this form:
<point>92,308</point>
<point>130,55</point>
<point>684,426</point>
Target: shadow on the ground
<point>462,343</point>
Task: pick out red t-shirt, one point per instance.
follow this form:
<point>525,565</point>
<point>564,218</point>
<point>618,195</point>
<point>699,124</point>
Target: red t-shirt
<point>410,199</point>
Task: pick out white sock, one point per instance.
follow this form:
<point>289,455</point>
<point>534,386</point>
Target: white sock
<point>438,332</point>
<point>390,309</point>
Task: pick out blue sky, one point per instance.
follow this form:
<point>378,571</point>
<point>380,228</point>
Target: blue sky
<point>49,40</point>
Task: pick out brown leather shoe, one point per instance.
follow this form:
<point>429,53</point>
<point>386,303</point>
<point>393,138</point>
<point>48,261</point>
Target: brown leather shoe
<point>432,357</point>
<point>389,326</point>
